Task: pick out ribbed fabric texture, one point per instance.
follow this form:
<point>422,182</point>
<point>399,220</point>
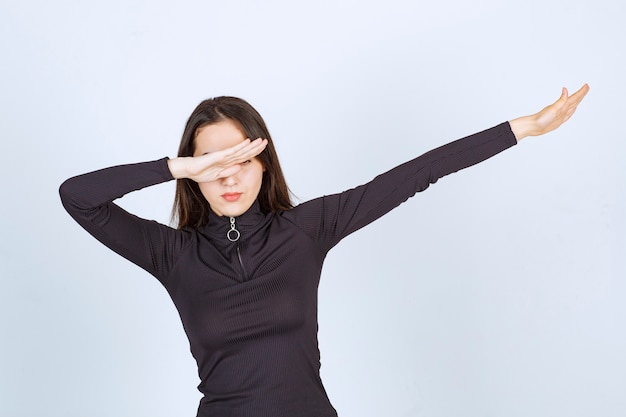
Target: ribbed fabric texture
<point>254,334</point>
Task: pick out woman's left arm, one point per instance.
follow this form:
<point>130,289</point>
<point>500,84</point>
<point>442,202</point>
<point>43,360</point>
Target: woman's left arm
<point>329,219</point>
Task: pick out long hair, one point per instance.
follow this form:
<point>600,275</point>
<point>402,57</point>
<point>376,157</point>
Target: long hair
<point>191,210</point>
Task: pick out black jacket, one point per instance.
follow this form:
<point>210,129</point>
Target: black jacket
<point>249,307</point>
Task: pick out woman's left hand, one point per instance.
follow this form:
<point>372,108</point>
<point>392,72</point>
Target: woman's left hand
<point>551,117</point>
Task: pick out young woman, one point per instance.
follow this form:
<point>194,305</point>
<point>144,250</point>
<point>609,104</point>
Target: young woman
<point>243,265</point>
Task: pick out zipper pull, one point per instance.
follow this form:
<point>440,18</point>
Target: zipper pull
<point>233,234</point>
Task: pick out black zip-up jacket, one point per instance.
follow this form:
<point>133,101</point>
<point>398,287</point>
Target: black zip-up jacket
<point>249,308</point>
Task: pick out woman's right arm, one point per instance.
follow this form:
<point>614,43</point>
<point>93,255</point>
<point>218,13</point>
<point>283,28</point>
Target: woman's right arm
<point>88,198</point>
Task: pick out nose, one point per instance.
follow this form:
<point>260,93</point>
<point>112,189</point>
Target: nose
<point>230,180</point>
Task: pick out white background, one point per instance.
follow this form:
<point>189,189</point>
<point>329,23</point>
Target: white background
<point>500,291</point>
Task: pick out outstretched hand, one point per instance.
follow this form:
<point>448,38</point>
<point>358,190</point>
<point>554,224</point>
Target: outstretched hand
<point>216,165</point>
<point>551,117</point>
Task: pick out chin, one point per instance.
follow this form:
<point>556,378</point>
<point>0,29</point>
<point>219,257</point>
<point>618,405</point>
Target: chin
<point>231,211</point>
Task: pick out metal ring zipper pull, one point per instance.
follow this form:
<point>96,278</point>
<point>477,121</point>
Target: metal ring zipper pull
<point>233,234</point>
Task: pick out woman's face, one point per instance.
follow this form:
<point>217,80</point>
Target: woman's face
<point>230,196</point>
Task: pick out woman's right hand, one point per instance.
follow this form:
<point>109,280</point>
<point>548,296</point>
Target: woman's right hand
<point>216,165</point>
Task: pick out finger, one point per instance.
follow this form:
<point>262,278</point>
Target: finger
<point>582,90</point>
<point>251,150</point>
<point>227,172</point>
<point>560,102</point>
<point>235,152</point>
<point>237,148</point>
<point>580,94</point>
<point>256,147</point>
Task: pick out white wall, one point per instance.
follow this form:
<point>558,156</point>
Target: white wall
<point>498,292</point>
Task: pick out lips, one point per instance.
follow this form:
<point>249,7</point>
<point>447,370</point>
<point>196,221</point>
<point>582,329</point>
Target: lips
<point>231,197</point>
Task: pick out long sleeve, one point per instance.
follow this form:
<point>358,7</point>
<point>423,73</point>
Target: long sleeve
<point>330,218</point>
<point>88,198</point>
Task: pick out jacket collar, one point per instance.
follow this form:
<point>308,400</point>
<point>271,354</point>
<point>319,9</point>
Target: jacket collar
<point>218,226</point>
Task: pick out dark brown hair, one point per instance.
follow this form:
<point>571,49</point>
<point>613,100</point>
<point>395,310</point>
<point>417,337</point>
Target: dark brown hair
<point>191,209</point>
